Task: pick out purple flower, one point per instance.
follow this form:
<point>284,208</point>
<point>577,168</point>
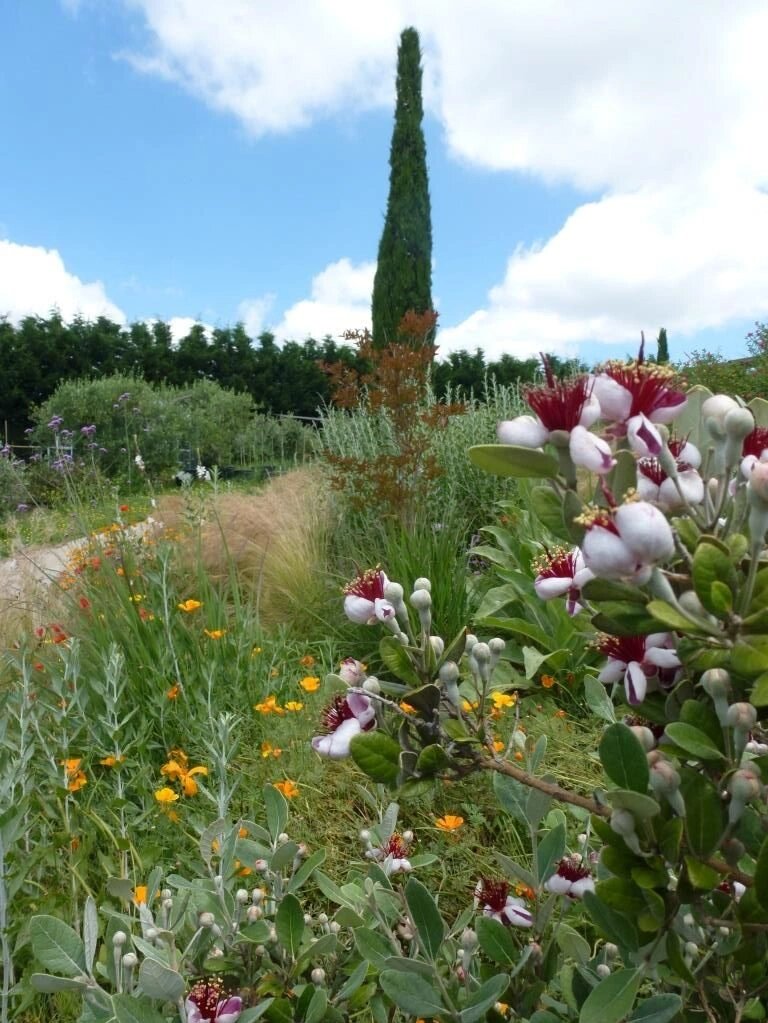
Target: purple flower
<point>88,431</point>
<point>345,717</point>
<point>207,1003</point>
<point>55,422</point>
<point>124,396</point>
<point>22,507</point>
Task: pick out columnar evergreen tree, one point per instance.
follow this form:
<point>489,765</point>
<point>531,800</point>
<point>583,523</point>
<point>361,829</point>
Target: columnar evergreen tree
<point>662,348</point>
<point>403,278</point>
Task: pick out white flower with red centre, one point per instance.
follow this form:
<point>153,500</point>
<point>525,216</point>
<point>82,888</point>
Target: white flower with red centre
<point>636,395</point>
<point>562,573</point>
<point>733,888</point>
<point>205,1003</point>
<point>626,542</point>
<point>364,600</point>
<point>346,716</point>
<point>498,904</point>
<point>653,484</point>
<point>637,660</point>
<point>392,855</point>
<point>754,449</point>
<point>571,878</point>
<point>559,405</point>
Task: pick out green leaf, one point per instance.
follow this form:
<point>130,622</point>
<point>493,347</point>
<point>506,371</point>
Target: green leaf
<point>289,924</point>
<point>759,695</point>
<point>213,833</point>
<point>426,917</point>
<point>572,944</point>
<point>749,656</point>
<point>623,758</point>
<point>56,946</point>
<point>276,809</point>
<point>317,1006</point>
<point>424,699</point>
<point>377,755</point>
<point>671,616</point>
<point>511,795</point>
<point>620,618</point>
<point>90,931</point>
<point>480,1001</point>
<point>623,476</point>
<point>50,985</point>
<point>703,814</point>
<point>549,851</point>
<point>432,759</point>
<point>692,740</point>
<point>130,1010</point>
<point>496,941</point>
<point>639,805</point>
<point>511,460</point>
<point>159,981</point>
<point>598,700</point>
<point>306,870</point>
<point>395,657</point>
<point>676,961</point>
<point>761,875</point>
<point>600,590</point>
<point>657,1009</point>
<point>537,804</point>
<point>374,948</point>
<point>255,1011</point>
<point>703,717</point>
<point>615,926</point>
<point>120,888</point>
<point>355,981</point>
<point>411,993</point>
<point>612,999</point>
<point>700,875</point>
<point>712,564</point>
<point>721,598</point>
<point>547,506</point>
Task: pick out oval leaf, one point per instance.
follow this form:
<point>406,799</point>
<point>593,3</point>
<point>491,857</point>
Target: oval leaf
<point>289,924</point>
<point>426,917</point>
<point>692,740</point>
<point>511,460</point>
<point>612,999</point>
<point>56,946</point>
<point>411,993</point>
<point>377,755</point>
<point>623,758</point>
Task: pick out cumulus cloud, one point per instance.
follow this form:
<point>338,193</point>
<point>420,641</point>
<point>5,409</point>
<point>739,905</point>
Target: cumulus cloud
<point>340,300</point>
<point>252,313</point>
<point>657,107</point>
<point>34,281</point>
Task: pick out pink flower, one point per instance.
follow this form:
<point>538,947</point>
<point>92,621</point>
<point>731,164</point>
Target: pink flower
<point>590,452</point>
<point>637,660</point>
<point>392,854</point>
<point>754,449</point>
<point>205,1003</point>
<point>636,395</point>
<point>498,904</point>
<point>653,484</point>
<point>562,573</point>
<point>352,671</point>
<point>345,717</point>
<point>571,878</point>
<point>625,542</point>
<point>364,601</point>
<point>558,404</point>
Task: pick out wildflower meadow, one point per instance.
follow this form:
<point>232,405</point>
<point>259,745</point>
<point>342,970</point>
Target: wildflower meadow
<point>458,715</point>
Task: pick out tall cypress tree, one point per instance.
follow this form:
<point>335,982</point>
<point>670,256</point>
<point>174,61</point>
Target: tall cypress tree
<point>662,348</point>
<point>403,278</point>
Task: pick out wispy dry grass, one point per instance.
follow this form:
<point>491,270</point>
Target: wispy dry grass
<point>273,541</point>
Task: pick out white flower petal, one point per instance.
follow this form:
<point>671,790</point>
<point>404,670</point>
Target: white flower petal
<point>359,609</point>
<point>524,431</point>
<point>615,400</point>
<point>690,454</point>
<point>591,412</point>
<point>645,531</point>
<point>336,744</point>
<point>606,554</point>
<point>647,490</point>
<point>590,452</point>
<point>517,914</point>
<point>635,683</point>
<point>552,586</point>
<point>643,437</point>
<point>362,707</point>
<point>384,610</point>
<point>558,885</point>
<point>584,884</point>
<point>661,658</point>
<point>613,671</point>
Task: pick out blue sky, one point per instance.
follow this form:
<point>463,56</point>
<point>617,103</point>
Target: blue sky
<point>165,161</point>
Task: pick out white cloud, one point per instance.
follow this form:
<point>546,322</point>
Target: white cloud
<point>34,281</point>
<point>340,300</point>
<point>657,106</point>
<point>252,313</point>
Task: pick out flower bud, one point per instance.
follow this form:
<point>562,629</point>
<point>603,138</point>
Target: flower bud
<point>151,933</point>
<point>690,602</point>
<point>352,671</point>
<point>241,896</point>
<point>371,685</point>
<point>421,600</point>
<point>322,919</point>
<point>497,645</point>
<point>256,896</point>
<point>119,938</point>
<point>481,653</point>
<point>437,644</point>
<point>334,927</point>
<point>308,919</point>
<point>408,837</point>
<point>691,948</point>
<point>739,423</point>
<point>206,920</point>
<point>130,960</point>
<point>282,838</point>
<point>216,952</point>
<point>253,913</point>
<point>744,785</point>
<point>742,715</point>
<point>393,592</point>
<point>713,413</point>
<point>645,736</point>
<point>449,672</point>
<point>260,866</point>
<point>260,950</point>
<point>272,936</point>
<point>469,641</point>
<point>166,893</point>
<point>365,835</point>
<point>317,976</point>
<point>422,583</point>
<point>733,849</point>
<point>622,822</point>
<point>611,950</point>
<point>468,938</point>
<point>603,970</point>
<point>167,905</point>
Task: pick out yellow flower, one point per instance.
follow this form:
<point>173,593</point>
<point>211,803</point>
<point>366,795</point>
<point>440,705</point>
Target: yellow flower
<point>307,661</point>
<point>140,894</point>
<point>288,788</point>
<point>186,776</point>
<point>450,822</point>
<point>406,708</point>
<point>268,750</point>
<point>294,705</point>
<point>112,761</point>
<point>189,605</point>
<point>215,633</point>
<point>548,681</point>
<point>256,651</point>
<point>498,746</point>
<point>310,684</point>
<point>501,701</point>
<point>466,706</point>
<point>166,795</point>
<point>269,706</point>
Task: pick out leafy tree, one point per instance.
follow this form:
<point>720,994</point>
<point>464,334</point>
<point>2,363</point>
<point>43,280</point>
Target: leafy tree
<point>403,280</point>
<point>662,348</point>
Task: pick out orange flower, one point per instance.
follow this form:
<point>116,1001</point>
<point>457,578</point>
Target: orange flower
<point>560,714</point>
<point>310,684</point>
<point>166,795</point>
<point>215,633</point>
<point>502,701</point>
<point>185,776</point>
<point>406,708</point>
<point>189,605</point>
<point>146,616</point>
<point>111,761</point>
<point>518,756</point>
<point>124,508</point>
<point>273,672</point>
<point>548,681</point>
<point>76,778</point>
<point>294,705</point>
<point>140,895</point>
<point>174,691</point>
<point>498,746</point>
<point>288,788</point>
<point>242,833</point>
<point>84,603</point>
<point>268,750</point>
<point>307,661</point>
<point>269,706</point>
<point>450,822</point>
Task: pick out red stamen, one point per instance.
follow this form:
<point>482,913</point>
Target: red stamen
<point>559,405</point>
<point>572,869</point>
<point>206,994</point>
<point>493,893</point>
<point>756,442</point>
<point>368,584</point>
<point>338,710</point>
<point>622,648</point>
